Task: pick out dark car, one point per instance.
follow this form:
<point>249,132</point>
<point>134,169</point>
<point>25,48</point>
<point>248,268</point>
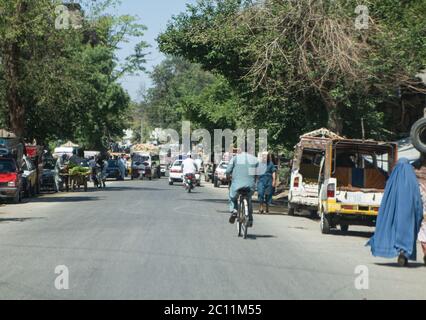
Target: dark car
<point>113,170</point>
<point>47,180</point>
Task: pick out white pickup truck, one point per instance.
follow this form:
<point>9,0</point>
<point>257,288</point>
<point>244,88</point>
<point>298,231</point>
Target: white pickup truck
<point>341,179</point>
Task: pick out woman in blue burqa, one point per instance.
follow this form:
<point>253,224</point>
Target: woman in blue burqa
<point>400,216</point>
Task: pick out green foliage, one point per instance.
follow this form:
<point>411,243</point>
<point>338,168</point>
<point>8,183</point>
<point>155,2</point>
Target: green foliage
<point>67,78</point>
<point>183,91</point>
<point>300,65</point>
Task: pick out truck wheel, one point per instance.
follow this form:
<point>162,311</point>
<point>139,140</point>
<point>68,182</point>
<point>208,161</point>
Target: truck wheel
<point>325,223</point>
<point>418,135</point>
<point>344,228</point>
<point>313,214</point>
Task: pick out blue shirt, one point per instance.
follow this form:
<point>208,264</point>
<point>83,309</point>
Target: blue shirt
<point>242,167</point>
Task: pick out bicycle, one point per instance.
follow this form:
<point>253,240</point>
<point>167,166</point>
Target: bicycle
<point>245,210</point>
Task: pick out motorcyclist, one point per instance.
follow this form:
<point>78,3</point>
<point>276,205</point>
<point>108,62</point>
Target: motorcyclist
<point>189,166</point>
<point>242,169</point>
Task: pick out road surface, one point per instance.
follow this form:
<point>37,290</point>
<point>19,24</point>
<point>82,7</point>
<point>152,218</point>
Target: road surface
<point>149,240</point>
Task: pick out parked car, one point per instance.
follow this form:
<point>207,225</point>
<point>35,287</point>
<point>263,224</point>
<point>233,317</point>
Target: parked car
<point>47,180</point>
<point>113,170</point>
<point>341,179</point>
<point>29,177</point>
<point>10,180</point>
<point>175,173</point>
<point>220,174</point>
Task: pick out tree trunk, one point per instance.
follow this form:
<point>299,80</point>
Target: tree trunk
<point>12,55</point>
<point>335,121</point>
<point>15,106</point>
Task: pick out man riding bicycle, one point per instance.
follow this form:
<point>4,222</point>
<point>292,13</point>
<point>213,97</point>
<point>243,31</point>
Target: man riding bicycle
<point>242,169</point>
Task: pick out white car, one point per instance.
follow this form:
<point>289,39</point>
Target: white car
<point>175,172</point>
<point>220,174</point>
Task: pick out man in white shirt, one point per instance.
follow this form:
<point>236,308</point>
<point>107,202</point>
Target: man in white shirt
<point>189,166</point>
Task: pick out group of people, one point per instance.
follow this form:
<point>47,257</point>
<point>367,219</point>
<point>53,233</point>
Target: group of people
<point>401,221</point>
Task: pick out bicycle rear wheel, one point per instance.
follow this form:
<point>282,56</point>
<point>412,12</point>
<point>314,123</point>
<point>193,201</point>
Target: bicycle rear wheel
<point>242,221</point>
<point>245,217</point>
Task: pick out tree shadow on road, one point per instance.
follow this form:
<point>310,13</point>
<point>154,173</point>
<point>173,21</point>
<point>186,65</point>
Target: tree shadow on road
<point>360,234</point>
<point>212,200</point>
<point>411,265</point>
<point>2,220</point>
<point>131,189</point>
<point>64,199</point>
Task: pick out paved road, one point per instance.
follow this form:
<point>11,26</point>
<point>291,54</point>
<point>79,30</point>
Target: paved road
<point>149,240</point>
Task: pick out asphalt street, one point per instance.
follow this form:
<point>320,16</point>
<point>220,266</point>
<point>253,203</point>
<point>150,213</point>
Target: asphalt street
<point>149,240</point>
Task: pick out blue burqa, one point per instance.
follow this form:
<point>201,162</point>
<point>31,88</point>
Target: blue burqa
<point>400,215</point>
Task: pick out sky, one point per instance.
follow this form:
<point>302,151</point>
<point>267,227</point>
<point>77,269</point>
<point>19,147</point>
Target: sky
<point>154,14</point>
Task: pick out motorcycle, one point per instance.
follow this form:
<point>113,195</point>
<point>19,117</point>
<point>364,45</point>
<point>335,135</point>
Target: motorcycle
<point>189,182</point>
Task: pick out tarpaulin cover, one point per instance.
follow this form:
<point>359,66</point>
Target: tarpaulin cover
<point>400,215</point>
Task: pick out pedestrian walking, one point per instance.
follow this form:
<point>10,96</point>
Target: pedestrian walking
<point>420,170</point>
<point>266,181</point>
<point>400,216</point>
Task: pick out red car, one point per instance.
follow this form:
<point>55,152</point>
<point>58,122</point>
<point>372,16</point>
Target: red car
<point>10,180</point>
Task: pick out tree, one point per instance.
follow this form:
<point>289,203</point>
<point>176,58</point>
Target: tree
<point>304,64</point>
<point>61,82</point>
<point>183,91</point>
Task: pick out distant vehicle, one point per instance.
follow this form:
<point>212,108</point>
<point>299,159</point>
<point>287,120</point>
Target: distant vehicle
<point>10,180</point>
<point>163,169</point>
<point>146,165</point>
<point>175,174</point>
<point>29,177</point>
<point>189,182</point>
<point>113,170</point>
<point>208,173</point>
<point>47,180</point>
<point>220,174</point>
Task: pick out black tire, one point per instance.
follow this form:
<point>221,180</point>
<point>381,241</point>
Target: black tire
<point>325,223</point>
<point>291,211</point>
<point>245,223</point>
<point>313,214</point>
<point>402,260</point>
<point>344,228</point>
<point>17,198</point>
<point>216,183</point>
<point>418,131</point>
<point>170,182</point>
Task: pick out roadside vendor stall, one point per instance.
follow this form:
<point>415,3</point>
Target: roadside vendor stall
<point>74,177</point>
